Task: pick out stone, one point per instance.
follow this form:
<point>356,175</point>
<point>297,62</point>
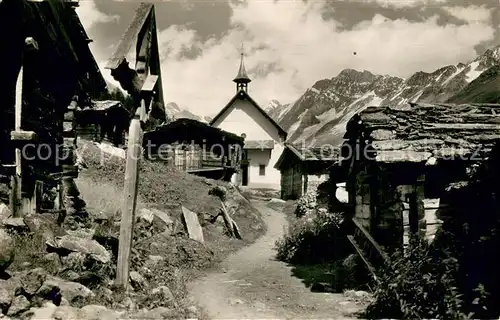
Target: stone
<point>156,313</point>
<point>192,224</point>
<point>192,311</point>
<point>98,312</point>
<point>145,216</point>
<point>154,260</point>
<point>19,305</point>
<point>235,301</point>
<point>85,233</point>
<point>65,313</point>
<point>45,312</point>
<point>129,304</point>
<point>137,280</point>
<point>44,224</point>
<point>7,250</point>
<point>69,290</point>
<point>52,261</point>
<point>74,260</point>
<point>5,299</point>
<point>86,246</point>
<point>164,292</point>
<point>5,212</point>
<point>162,220</point>
<point>15,223</point>
<point>32,281</point>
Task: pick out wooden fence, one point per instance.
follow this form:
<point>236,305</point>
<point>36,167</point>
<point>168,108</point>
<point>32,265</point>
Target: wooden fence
<point>188,159</point>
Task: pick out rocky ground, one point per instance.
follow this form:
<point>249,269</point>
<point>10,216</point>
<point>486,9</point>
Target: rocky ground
<point>62,266</point>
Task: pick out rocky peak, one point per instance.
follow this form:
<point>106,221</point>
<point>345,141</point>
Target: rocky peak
<point>356,76</point>
<point>489,58</point>
<point>322,84</point>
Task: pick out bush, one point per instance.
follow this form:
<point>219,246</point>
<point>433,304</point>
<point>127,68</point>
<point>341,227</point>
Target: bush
<point>419,284</point>
<point>310,239</point>
<point>306,204</point>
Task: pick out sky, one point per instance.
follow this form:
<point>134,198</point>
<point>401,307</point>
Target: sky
<point>291,44</point>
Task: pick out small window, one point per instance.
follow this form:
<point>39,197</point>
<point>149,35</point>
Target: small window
<point>262,169</point>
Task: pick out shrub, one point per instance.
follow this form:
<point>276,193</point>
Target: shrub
<point>310,239</point>
<point>306,204</point>
<point>418,284</point>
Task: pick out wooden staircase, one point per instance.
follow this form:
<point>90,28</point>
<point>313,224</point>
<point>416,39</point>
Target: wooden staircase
<point>367,248</point>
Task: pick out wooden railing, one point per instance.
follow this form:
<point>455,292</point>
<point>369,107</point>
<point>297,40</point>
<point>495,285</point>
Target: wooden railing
<point>367,248</point>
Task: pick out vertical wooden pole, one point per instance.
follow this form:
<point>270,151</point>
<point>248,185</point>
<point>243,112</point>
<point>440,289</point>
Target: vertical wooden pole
<point>134,152</point>
<point>16,183</point>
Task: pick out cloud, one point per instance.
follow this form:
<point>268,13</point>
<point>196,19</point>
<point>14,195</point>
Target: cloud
<point>405,3</point>
<point>288,52</point>
<point>91,16</point>
<point>471,14</point>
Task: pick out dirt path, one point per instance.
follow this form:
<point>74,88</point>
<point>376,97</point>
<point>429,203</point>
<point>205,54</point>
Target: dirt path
<point>256,286</point>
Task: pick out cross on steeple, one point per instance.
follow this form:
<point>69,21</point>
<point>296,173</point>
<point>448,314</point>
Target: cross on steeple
<point>242,78</point>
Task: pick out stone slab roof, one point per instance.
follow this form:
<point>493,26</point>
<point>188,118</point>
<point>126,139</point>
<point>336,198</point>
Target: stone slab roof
<point>421,132</point>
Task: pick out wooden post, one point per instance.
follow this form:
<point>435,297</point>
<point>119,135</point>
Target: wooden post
<point>16,182</point>
<point>134,151</point>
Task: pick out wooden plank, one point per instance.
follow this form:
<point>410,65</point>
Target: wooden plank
<point>370,238</point>
<point>130,36</point>
<point>150,82</point>
<point>192,225</point>
<point>362,256</point>
<point>134,151</point>
<point>23,135</point>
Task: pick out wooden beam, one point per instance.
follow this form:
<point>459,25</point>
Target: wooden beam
<point>130,36</point>
<point>134,151</point>
<point>20,135</point>
<point>149,83</point>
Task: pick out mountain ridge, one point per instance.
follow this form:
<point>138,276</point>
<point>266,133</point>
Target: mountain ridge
<point>320,114</point>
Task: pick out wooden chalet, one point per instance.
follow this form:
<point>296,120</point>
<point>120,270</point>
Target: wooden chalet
<point>303,169</point>
<point>47,69</point>
<point>399,162</point>
<point>103,120</point>
<point>195,147</point>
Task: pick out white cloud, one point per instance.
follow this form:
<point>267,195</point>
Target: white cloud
<point>471,14</point>
<point>91,16</point>
<point>405,3</point>
<point>305,48</point>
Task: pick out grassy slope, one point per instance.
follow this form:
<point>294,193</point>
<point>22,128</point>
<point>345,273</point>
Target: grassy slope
<point>484,89</point>
<point>165,188</point>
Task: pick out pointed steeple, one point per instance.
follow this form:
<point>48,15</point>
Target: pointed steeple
<point>242,78</point>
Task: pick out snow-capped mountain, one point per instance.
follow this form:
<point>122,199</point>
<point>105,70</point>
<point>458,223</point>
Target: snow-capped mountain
<point>321,113</point>
<point>175,112</point>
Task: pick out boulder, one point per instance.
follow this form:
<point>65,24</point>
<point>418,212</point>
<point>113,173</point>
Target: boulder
<point>32,281</point>
<point>6,298</point>
<point>165,294</point>
<point>15,223</point>
<point>44,224</point>
<point>5,212</point>
<point>67,289</point>
<point>7,250</point>
<point>82,245</point>
<point>18,306</point>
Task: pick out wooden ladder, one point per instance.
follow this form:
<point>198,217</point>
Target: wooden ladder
<point>367,248</point>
